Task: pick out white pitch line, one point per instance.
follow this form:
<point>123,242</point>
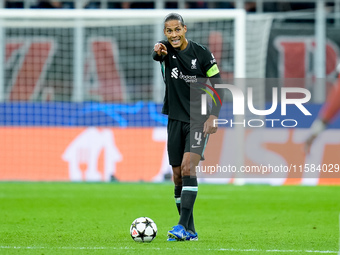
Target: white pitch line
<point>155,248</point>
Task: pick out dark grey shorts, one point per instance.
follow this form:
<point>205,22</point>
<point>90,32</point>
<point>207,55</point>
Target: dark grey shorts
<point>185,137</point>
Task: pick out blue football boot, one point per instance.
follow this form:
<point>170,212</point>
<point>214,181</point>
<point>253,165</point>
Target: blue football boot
<point>177,232</point>
<point>191,237</point>
<point>170,239</point>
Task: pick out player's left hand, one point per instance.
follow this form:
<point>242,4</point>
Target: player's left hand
<point>209,127</point>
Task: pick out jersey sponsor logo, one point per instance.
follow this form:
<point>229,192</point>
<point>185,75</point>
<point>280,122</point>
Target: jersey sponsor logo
<point>174,73</point>
<point>188,78</point>
<point>193,63</point>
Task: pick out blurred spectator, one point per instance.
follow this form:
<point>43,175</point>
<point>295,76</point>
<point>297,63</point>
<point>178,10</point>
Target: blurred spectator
<point>114,5</point>
<point>283,6</point>
<point>92,5</point>
<point>67,5</point>
<point>274,6</point>
<point>249,6</point>
<point>126,5</point>
<point>132,5</point>
<point>196,5</point>
<point>224,5</point>
<point>171,5</point>
<point>142,5</point>
<point>14,4</point>
<point>301,6</point>
<point>45,4</point>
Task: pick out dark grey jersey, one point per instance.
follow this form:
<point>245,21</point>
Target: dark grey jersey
<point>183,73</point>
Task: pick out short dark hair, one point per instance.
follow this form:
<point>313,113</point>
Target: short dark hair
<point>174,16</point>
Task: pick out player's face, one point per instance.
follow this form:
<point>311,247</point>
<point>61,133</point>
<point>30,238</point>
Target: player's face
<point>175,32</point>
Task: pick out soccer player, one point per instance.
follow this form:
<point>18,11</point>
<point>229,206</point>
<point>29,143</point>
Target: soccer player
<point>183,63</point>
<point>328,111</point>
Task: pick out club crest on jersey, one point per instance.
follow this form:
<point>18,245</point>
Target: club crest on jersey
<point>193,63</point>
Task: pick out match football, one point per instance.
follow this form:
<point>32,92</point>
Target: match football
<point>143,229</point>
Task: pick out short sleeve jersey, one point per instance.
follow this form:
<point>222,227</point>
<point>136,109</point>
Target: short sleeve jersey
<point>181,70</point>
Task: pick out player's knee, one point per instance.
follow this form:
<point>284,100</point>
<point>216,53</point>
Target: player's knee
<point>185,168</point>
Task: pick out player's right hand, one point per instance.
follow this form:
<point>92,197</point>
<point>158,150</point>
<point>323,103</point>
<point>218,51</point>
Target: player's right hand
<point>160,49</point>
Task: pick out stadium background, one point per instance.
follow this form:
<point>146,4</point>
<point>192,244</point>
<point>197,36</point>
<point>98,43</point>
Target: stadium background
<point>113,129</point>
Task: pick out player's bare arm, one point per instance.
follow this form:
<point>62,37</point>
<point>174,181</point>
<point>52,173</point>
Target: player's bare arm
<point>160,49</point>
<point>209,126</point>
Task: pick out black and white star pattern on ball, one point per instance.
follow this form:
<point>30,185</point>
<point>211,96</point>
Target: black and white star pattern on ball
<point>147,223</point>
<point>143,229</point>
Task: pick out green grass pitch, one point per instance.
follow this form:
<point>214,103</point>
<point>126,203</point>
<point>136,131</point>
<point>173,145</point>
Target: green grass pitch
<point>94,218</point>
